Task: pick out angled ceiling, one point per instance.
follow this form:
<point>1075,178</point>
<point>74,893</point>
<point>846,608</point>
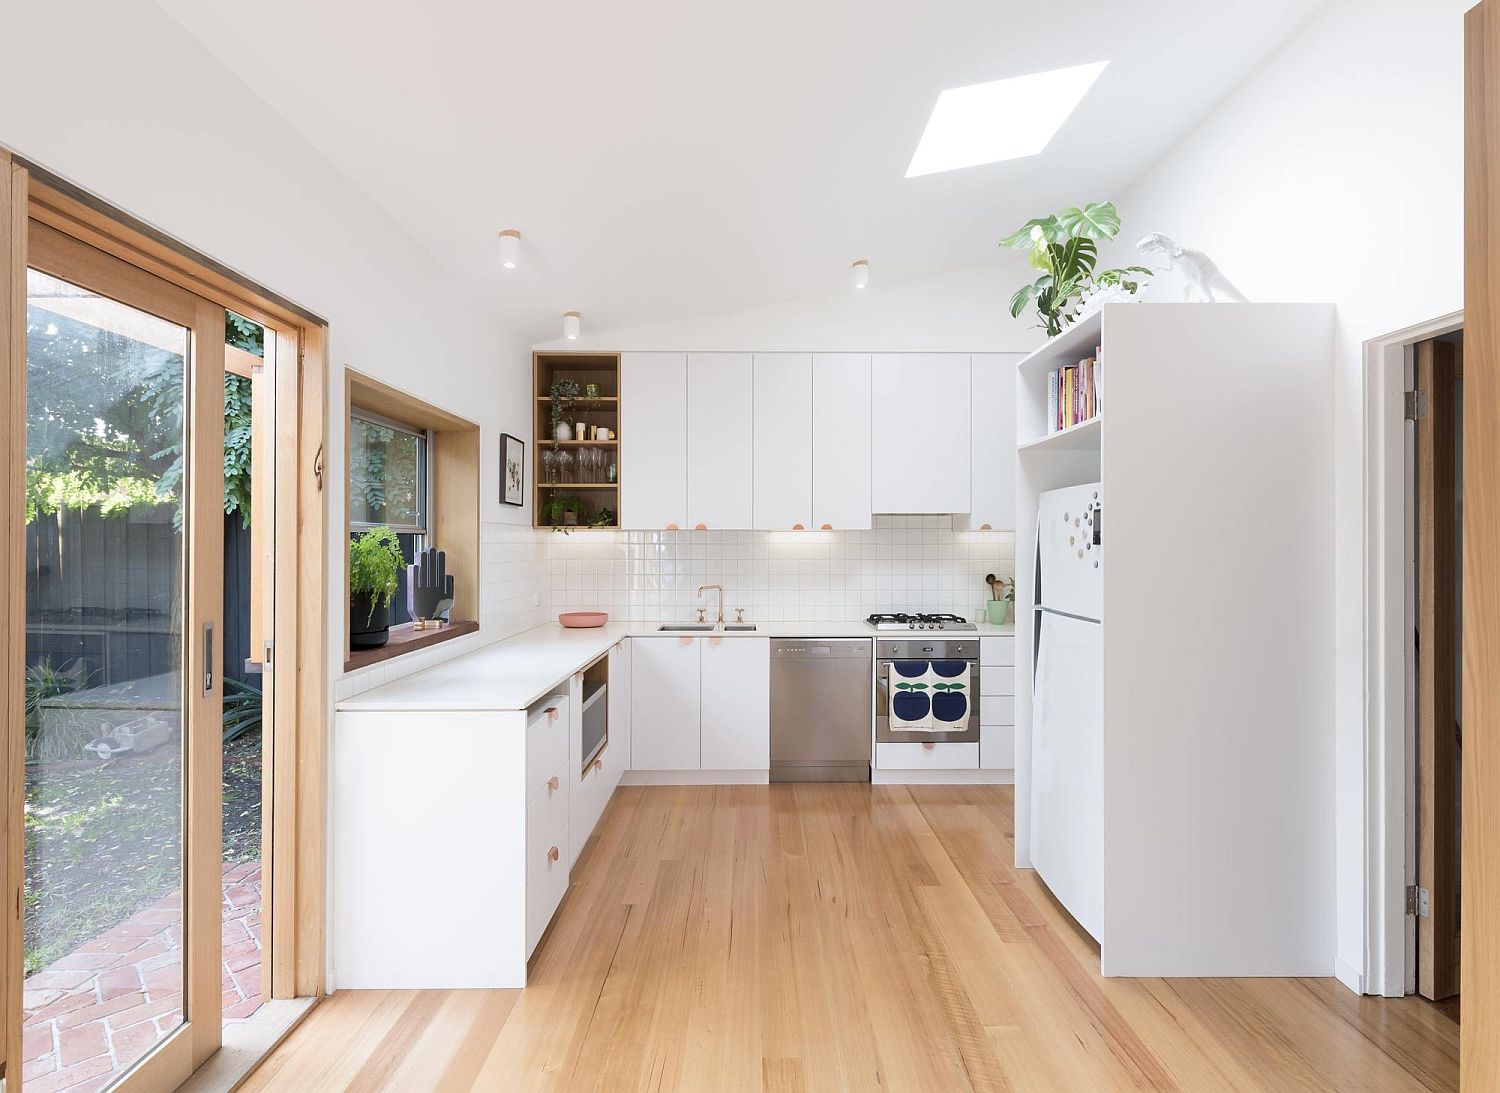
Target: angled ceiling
<point>671,158</point>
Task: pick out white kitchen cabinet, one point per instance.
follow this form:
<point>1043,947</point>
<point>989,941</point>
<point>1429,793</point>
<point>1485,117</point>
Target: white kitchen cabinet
<point>620,707</point>
<point>841,441</point>
<point>664,733</point>
<point>920,416</point>
<point>783,441</point>
<point>735,703</point>
<point>653,440</point>
<point>992,440</point>
<point>720,440</point>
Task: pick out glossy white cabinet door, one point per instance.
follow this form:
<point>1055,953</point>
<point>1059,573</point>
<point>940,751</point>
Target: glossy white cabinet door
<point>736,703</point>
<point>653,440</point>
<point>992,436</point>
<point>720,445</point>
<point>783,441</point>
<point>619,708</point>
<point>664,703</point>
<point>920,417</point>
<point>841,441</point>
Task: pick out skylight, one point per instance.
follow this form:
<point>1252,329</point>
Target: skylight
<point>1004,119</point>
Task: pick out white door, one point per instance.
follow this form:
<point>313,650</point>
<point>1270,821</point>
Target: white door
<point>653,440</point>
<point>1072,564</point>
<point>619,708</point>
<point>1067,767</point>
<point>992,439</point>
<point>783,441</point>
<point>664,703</point>
<point>736,703</point>
<point>720,447</point>
<point>920,417</point>
<point>841,441</point>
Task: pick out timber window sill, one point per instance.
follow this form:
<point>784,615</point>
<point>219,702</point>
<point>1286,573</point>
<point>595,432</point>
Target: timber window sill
<point>405,640</point>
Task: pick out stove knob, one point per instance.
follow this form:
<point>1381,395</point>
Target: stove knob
<point>911,626</point>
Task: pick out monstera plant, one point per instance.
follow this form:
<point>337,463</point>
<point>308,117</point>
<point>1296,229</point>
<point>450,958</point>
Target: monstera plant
<point>1065,247</point>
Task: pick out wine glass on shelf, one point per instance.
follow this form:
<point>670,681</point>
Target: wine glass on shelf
<point>549,464</point>
<point>565,466</point>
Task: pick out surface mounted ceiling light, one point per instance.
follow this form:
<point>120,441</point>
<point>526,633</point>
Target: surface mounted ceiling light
<point>510,248</point>
<point>570,325</point>
<point>862,273</point>
<point>1005,119</point>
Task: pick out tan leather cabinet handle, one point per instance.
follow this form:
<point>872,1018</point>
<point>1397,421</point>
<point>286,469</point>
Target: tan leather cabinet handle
<point>553,854</point>
<point>552,783</point>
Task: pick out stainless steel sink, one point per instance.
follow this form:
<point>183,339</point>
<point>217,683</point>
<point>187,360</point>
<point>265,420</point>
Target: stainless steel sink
<point>740,627</point>
<point>686,627</point>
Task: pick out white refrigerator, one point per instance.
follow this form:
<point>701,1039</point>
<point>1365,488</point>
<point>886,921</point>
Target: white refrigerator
<point>1067,747</point>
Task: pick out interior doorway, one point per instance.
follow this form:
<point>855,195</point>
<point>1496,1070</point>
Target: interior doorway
<point>1435,680</point>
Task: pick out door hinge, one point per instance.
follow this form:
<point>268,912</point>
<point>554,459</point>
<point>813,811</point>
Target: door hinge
<point>1416,405</point>
<point>1418,901</point>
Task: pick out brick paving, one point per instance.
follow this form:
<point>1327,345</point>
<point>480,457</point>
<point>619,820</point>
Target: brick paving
<point>93,1013</point>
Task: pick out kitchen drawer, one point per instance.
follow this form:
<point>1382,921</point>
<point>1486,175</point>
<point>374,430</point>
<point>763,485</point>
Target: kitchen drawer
<point>997,710</point>
<point>546,742</point>
<point>544,891</point>
<point>997,651</point>
<point>546,818</point>
<point>941,756</point>
<point>997,680</point>
<point>997,747</point>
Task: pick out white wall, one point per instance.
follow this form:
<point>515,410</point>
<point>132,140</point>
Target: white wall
<point>963,311</point>
<point>133,109</point>
<point>1335,174</point>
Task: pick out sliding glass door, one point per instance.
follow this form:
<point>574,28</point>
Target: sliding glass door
<point>123,638</point>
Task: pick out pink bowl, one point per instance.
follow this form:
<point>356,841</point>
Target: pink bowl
<point>583,619</point>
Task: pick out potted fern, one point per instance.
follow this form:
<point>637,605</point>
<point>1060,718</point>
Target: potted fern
<point>375,565</point>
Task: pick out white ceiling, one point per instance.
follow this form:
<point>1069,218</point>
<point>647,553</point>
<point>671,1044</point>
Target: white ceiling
<point>669,158</point>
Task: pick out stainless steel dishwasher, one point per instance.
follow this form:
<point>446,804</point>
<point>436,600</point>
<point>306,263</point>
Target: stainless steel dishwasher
<point>820,711</point>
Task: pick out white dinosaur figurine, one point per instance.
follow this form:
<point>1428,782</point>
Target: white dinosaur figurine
<point>1198,270</point>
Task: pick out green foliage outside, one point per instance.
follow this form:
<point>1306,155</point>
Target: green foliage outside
<point>104,419</point>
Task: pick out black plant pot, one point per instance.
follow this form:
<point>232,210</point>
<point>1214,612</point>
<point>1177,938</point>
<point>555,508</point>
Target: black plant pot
<point>368,629</point>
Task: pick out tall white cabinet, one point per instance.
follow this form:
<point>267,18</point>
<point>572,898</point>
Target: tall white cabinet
<point>992,444</point>
<point>1214,462</point>
<point>920,416</point>
<point>783,441</point>
<point>720,432</point>
<point>653,440</point>
<point>841,442</point>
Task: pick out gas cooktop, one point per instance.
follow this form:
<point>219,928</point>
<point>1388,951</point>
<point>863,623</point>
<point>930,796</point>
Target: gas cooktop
<point>920,622</point>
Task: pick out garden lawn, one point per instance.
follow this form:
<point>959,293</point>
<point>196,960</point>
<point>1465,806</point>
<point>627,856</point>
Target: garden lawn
<point>103,840</point>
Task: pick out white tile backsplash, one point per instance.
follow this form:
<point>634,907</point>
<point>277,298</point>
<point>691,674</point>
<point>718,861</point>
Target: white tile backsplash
<point>906,563</point>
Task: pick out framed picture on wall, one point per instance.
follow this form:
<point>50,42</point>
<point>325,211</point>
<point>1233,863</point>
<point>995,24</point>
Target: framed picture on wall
<point>512,470</point>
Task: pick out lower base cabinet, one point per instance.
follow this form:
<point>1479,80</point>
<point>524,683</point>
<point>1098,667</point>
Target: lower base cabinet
<point>700,704</point>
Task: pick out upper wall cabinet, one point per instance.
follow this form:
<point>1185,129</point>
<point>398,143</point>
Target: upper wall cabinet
<point>921,418</point>
<point>784,441</point>
<point>992,426</point>
<point>841,441</point>
<point>653,440</point>
<point>720,440</point>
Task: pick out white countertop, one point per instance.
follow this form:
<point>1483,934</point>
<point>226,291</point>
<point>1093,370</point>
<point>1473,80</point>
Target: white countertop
<point>514,673</point>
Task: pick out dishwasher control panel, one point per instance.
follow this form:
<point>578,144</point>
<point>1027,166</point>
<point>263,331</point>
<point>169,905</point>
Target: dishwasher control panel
<point>834,650</point>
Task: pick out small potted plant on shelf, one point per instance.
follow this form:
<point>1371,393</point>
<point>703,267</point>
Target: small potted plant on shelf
<point>1065,248</point>
<point>564,393</point>
<point>375,565</point>
<point>604,518</point>
<point>563,510</point>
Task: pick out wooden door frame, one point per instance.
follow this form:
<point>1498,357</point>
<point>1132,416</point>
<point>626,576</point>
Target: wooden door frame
<point>1479,1002</point>
<point>295,884</point>
<point>1388,931</point>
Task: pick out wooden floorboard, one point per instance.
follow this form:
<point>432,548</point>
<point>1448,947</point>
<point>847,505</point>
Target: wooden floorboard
<point>803,938</point>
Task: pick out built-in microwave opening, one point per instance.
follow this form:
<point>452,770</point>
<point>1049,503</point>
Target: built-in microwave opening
<point>595,711</point>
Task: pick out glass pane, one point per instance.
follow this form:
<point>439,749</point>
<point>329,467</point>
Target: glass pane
<point>104,688</point>
<point>249,605</point>
<point>385,475</point>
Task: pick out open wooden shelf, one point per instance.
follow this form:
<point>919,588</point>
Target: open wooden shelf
<point>602,410</point>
